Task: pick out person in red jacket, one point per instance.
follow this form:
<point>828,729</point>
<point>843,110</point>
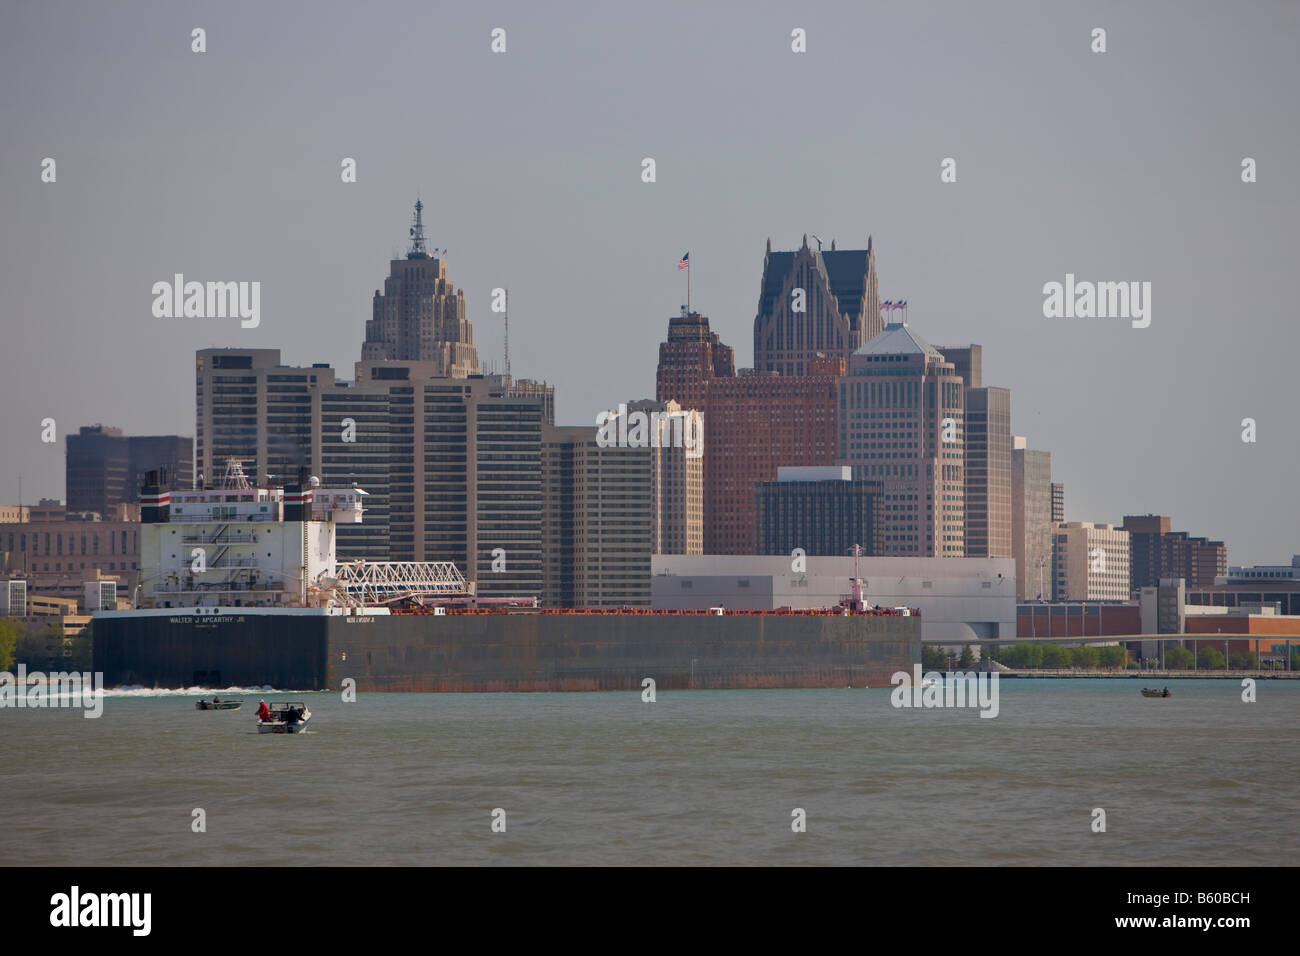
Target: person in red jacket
<point>263,712</point>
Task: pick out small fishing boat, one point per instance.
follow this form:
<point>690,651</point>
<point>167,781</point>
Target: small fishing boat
<point>1152,692</point>
<point>217,703</point>
<point>289,718</point>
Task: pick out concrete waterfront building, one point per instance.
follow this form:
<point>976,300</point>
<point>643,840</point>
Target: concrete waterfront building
<point>901,423</point>
<point>823,511</point>
<point>1262,573</point>
<point>420,315</point>
<point>58,557</point>
<point>609,507</point>
<point>962,600</point>
<point>988,473</point>
<point>1158,552</point>
<point>104,467</point>
<point>1090,562</point>
<point>1164,607</point>
<point>1031,521</point>
<point>1243,586</point>
<point>814,301</point>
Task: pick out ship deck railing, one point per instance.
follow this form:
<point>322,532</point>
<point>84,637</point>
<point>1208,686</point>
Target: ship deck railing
<point>215,588</point>
<point>253,518</point>
<point>653,612</point>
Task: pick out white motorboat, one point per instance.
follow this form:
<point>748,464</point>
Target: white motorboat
<point>288,718</point>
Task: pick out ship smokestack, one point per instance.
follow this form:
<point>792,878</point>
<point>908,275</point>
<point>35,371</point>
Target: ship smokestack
<point>298,496</point>
<point>155,500</point>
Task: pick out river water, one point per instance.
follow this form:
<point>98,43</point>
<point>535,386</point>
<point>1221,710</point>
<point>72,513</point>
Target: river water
<point>692,778</point>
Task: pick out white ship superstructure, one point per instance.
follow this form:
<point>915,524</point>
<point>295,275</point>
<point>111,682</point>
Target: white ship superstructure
<point>239,545</point>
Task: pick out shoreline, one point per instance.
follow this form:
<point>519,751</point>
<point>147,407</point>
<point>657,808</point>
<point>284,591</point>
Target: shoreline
<point>1150,675</point>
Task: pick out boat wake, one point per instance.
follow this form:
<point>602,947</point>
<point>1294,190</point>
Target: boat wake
<point>192,691</point>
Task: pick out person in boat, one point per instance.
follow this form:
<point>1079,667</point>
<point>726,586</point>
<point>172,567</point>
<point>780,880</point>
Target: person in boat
<point>1165,692</point>
<point>216,700</point>
<point>263,712</point>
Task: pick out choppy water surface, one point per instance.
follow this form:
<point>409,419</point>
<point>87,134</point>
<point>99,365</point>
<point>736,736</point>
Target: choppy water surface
<point>693,778</point>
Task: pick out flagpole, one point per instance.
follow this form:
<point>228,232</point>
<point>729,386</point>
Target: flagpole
<point>688,284</point>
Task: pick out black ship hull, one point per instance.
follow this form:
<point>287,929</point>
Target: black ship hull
<point>525,651</point>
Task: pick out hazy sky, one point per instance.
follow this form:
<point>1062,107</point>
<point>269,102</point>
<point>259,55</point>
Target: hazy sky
<point>1123,165</point>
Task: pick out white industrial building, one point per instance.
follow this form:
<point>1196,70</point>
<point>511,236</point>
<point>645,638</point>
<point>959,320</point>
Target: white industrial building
<point>961,600</point>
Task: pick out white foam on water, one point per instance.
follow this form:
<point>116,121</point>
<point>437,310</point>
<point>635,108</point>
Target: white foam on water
<point>137,691</point>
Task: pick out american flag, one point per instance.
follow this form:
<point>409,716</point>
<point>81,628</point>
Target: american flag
<point>684,262</point>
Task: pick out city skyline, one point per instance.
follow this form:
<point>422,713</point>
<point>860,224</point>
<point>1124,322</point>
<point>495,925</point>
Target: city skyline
<point>1099,180</point>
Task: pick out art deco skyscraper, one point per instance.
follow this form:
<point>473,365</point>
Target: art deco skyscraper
<point>420,315</point>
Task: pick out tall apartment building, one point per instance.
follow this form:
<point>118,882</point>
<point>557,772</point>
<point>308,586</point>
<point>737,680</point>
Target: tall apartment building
<point>105,468</point>
<point>691,357</point>
<point>1158,552</point>
<point>676,477</point>
<point>1032,522</point>
<point>988,473</point>
<point>599,511</point>
<point>609,508</point>
<point>1090,562</point>
<point>814,302</point>
<point>464,479</point>
<point>451,466</point>
<point>902,424</point>
<point>355,441</point>
<point>528,388</point>
<point>1058,502</point>
<point>988,456</point>
<point>420,315</point>
<point>823,511</point>
<point>251,407</point>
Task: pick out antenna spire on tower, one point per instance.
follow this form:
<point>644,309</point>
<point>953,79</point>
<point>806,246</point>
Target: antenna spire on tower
<point>508,333</point>
<point>417,250</point>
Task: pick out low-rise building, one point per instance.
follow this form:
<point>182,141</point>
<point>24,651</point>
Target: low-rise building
<point>963,600</point>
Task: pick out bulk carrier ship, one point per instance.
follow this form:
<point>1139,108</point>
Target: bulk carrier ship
<point>240,586</point>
